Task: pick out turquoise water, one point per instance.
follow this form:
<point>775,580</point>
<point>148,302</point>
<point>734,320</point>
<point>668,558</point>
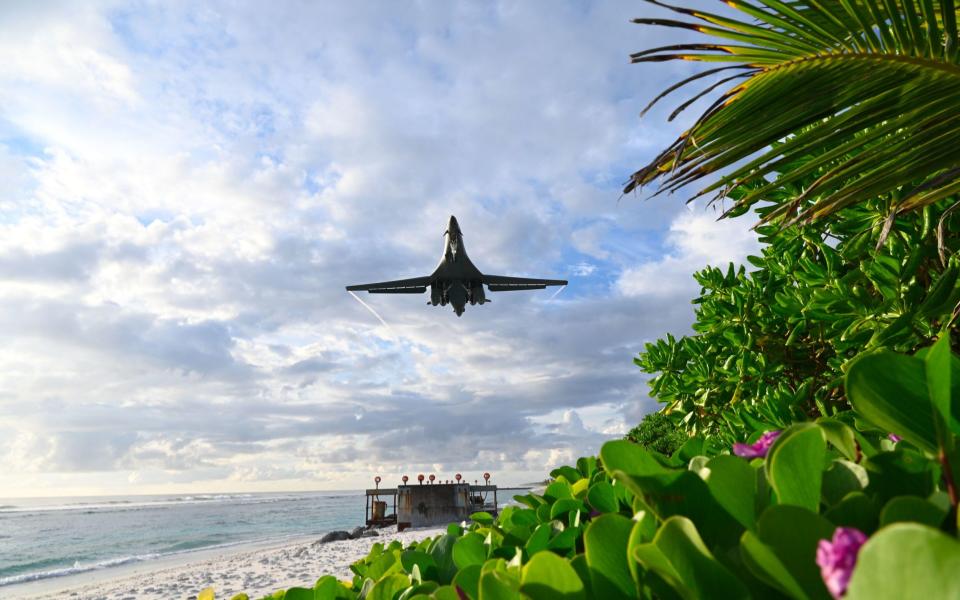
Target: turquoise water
<point>41,538</point>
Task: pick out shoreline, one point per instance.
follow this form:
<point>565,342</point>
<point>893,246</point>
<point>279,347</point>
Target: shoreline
<point>256,568</point>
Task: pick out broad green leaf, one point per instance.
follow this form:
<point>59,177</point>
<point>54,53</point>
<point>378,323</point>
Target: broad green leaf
<point>679,556</point>
<point>580,488</point>
<point>565,541</point>
<point>790,535</point>
<point>385,564</point>
<point>602,497</point>
<point>530,500</point>
<point>442,553</point>
<point>484,518</point>
<point>890,391</point>
<point>938,366</point>
<point>937,301</point>
<point>843,478</point>
<point>469,550</point>
<point>670,492</point>
<point>629,458</point>
<point>912,509</point>
<point>240,596</point>
<point>733,483</point>
<point>763,562</point>
<point>907,560</point>
<point>690,449</point>
<point>643,531</point>
<point>495,564</point>
<point>549,577</point>
<point>562,507</point>
<point>498,585</point>
<point>579,564</point>
<point>606,542</point>
<point>423,561</point>
<point>903,472</point>
<point>328,588</point>
<point>517,535</point>
<point>840,435</point>
<point>587,466</point>
<point>794,466</point>
<point>299,593</point>
<point>524,516</point>
<point>540,538</point>
<point>855,510</point>
<point>645,526</point>
<point>424,588</point>
<point>557,491</point>
<point>206,594</point>
<point>543,512</point>
<point>445,592</point>
<point>385,589</point>
<point>468,580</point>
<point>569,473</point>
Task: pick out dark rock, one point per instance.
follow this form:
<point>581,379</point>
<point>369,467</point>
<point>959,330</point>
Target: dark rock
<point>370,533</point>
<point>334,536</point>
<point>357,532</point>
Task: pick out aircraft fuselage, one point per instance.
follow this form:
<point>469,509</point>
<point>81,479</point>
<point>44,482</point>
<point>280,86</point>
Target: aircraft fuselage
<point>456,281</point>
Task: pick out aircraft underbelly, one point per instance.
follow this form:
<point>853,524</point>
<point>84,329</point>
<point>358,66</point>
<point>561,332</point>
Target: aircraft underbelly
<point>458,297</point>
<point>461,268</point>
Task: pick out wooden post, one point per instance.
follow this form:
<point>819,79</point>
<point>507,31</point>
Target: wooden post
<point>366,510</point>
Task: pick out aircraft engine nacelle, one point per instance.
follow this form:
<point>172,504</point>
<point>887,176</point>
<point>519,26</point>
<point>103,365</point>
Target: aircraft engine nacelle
<point>477,295</point>
<point>436,295</point>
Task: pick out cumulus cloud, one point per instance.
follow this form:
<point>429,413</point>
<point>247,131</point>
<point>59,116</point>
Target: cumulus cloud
<point>696,239</point>
<point>184,192</point>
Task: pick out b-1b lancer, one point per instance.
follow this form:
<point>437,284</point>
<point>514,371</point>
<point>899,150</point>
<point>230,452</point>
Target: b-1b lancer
<point>456,280</point>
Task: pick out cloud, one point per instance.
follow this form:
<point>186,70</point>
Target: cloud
<point>696,239</point>
<point>185,191</point>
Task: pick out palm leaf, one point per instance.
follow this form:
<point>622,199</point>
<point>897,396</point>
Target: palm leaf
<point>869,88</point>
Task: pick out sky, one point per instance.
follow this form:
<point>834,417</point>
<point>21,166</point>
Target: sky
<point>186,188</point>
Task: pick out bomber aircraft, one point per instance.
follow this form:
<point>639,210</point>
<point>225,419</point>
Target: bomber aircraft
<point>456,280</point>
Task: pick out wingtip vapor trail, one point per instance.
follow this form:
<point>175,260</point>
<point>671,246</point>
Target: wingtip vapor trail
<point>370,308</point>
<point>556,293</point>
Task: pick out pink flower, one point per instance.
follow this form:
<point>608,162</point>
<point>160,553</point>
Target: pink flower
<point>759,448</point>
<point>894,437</point>
<point>838,558</point>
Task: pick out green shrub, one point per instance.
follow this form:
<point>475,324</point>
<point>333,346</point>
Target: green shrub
<point>634,523</point>
<point>658,432</point>
<point>771,342</point>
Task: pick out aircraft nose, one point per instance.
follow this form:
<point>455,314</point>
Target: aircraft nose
<point>452,224</point>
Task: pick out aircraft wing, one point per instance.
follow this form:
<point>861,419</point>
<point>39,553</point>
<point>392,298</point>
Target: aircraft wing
<point>416,285</point>
<point>500,283</point>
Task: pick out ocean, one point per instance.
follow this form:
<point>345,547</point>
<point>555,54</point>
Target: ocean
<point>42,538</point>
<point>51,537</point>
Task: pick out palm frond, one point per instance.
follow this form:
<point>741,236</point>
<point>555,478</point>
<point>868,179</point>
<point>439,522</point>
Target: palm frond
<point>870,88</point>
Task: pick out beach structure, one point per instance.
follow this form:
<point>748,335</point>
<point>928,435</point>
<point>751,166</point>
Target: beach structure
<point>429,502</point>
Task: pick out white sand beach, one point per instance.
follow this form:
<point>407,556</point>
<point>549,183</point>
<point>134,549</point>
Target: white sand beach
<point>257,571</point>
